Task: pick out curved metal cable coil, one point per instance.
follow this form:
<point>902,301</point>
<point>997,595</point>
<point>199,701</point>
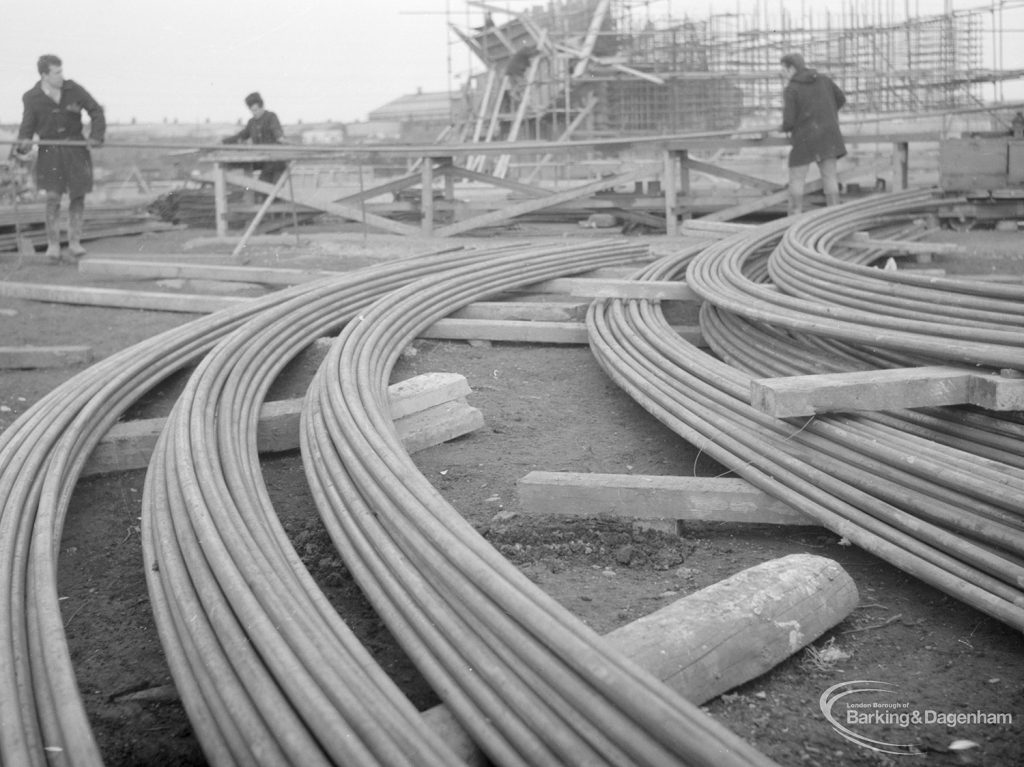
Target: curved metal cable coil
<point>525,678</point>
<point>934,493</point>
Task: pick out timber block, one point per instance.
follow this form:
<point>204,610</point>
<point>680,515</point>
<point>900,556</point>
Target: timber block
<point>892,389</point>
<point>720,637</point>
<point>427,410</point>
<point>654,501</point>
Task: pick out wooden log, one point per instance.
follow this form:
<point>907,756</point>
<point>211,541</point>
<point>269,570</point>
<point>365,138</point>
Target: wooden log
<point>892,389</point>
<point>428,409</point>
<point>720,637</point>
<point>646,497</point>
<point>30,357</point>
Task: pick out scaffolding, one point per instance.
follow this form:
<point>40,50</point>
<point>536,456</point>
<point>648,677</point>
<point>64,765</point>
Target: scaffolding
<point>597,68</point>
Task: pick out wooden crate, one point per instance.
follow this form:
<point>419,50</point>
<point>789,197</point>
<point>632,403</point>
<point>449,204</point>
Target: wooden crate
<point>967,164</point>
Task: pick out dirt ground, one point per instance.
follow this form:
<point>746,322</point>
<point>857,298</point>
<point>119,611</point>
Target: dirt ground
<point>548,408</point>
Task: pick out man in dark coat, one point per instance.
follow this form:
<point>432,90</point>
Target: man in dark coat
<point>53,112</point>
<point>262,128</point>
<point>811,104</point>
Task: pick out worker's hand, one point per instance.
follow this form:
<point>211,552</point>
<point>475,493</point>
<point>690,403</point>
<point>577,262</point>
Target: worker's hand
<point>95,142</point>
<point>23,147</point>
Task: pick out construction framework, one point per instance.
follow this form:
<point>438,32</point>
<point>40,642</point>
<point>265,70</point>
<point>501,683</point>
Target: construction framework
<point>599,68</point>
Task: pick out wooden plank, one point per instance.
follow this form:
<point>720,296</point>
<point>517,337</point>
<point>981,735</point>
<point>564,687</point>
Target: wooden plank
<point>121,299</point>
<point>865,241</point>
<point>508,330</point>
<point>537,332</point>
<point>610,287</point>
<point>524,311</point>
<point>892,389</point>
<point>32,357</point>
<point>425,391</point>
<point>767,201</point>
<point>110,267</point>
<point>454,171</point>
<point>420,406</point>
<point>437,425</point>
<point>646,497</point>
<point>591,37</point>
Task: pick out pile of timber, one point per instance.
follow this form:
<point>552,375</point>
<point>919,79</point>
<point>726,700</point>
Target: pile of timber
<point>195,208</point>
<point>101,220</point>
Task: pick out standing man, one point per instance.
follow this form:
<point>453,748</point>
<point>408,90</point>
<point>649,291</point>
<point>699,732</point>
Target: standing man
<point>263,128</point>
<point>811,115</point>
<point>53,112</point>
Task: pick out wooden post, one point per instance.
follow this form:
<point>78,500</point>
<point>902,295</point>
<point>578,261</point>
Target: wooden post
<point>449,178</point>
<point>427,195</point>
<point>285,177</point>
<point>220,199</point>
<point>900,162</point>
<point>676,180</point>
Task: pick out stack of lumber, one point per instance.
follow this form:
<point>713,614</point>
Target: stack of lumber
<point>106,220</point>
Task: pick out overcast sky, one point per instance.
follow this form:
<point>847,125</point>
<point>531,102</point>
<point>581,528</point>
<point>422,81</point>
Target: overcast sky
<point>313,60</point>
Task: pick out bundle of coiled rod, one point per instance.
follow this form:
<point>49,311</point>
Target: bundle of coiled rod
<point>936,492</point>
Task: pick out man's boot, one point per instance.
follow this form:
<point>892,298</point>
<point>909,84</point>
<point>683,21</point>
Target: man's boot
<point>53,227</point>
<point>832,199</point>
<point>76,219</point>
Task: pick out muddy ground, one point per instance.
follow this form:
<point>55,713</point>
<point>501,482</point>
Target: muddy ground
<point>545,407</point>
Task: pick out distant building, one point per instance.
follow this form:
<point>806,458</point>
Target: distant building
<point>422,117</point>
<point>329,134</point>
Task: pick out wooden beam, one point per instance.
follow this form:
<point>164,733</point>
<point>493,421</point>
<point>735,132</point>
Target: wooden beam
<point>426,409</point>
<point>455,171</point>
<point>892,389</point>
<point>647,497</point>
<point>538,332</point>
<point>427,196</point>
<point>334,208</point>
<point>251,229</point>
<point>526,311</point>
<point>33,357</point>
<point>529,206</point>
<point>900,166</point>
<point>863,240</point>
<point>591,37</point>
<point>607,287</point>
<point>395,185</point>
<point>220,199</point>
<point>121,299</point>
<point>187,271</point>
<point>587,108</point>
<point>731,175</point>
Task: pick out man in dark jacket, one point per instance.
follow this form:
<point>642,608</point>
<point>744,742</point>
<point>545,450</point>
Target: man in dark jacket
<point>811,104</point>
<point>53,112</point>
<point>262,128</point>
